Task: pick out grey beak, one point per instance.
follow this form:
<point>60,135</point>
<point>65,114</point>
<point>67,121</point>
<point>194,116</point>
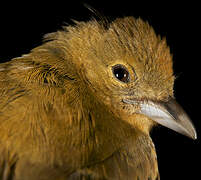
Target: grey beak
<point>169,114</point>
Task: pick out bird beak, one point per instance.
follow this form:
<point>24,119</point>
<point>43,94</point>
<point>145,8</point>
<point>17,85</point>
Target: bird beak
<point>169,114</point>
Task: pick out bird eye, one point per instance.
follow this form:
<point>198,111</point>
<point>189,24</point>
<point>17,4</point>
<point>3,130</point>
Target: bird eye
<point>121,73</point>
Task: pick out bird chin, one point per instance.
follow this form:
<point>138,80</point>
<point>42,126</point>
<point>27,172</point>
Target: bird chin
<point>169,114</point>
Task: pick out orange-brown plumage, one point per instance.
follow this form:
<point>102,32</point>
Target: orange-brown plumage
<point>64,114</point>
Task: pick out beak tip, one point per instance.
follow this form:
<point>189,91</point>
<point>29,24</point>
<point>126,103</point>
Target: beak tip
<point>194,136</point>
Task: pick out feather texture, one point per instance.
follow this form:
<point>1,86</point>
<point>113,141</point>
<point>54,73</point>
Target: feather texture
<point>61,109</point>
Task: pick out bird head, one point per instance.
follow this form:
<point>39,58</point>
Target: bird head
<point>128,68</point>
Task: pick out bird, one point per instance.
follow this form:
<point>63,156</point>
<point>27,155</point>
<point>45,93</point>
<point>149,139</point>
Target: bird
<point>81,105</point>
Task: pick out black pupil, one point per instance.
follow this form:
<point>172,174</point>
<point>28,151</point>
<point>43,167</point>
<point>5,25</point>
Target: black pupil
<point>121,73</point>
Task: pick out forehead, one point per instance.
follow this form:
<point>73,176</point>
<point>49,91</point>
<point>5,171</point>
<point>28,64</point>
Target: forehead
<point>125,40</point>
<point>128,40</point>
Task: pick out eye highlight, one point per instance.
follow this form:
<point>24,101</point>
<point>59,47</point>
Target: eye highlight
<point>121,73</point>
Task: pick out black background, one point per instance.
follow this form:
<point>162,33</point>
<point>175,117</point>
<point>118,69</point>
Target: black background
<point>22,27</point>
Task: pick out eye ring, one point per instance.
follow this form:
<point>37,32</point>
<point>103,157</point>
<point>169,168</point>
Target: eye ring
<point>121,73</point>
